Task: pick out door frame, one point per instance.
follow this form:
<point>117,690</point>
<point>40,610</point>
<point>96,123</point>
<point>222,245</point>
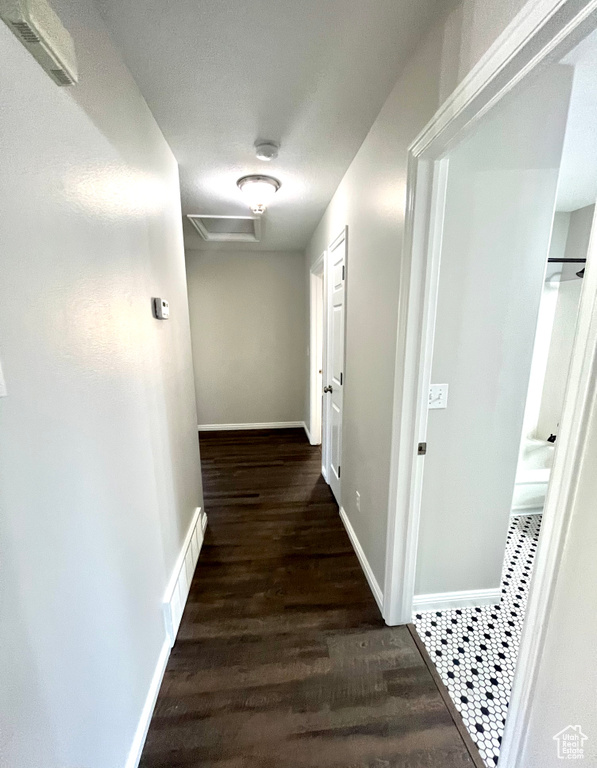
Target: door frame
<point>317,342</point>
<point>538,36</point>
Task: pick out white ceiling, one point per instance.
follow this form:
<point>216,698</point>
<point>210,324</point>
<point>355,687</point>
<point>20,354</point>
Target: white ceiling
<point>309,74</point>
<point>577,184</point>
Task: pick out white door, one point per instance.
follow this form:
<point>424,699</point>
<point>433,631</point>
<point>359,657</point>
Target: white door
<point>334,378</point>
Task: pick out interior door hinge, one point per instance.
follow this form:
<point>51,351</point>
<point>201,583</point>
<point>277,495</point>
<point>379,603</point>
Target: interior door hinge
<point>340,378</point>
<point>339,468</point>
<point>343,273</point>
<point>422,449</point>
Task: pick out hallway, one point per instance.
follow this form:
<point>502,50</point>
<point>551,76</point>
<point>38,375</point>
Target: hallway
<point>282,657</point>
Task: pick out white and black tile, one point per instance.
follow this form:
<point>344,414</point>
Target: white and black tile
<point>475,649</point>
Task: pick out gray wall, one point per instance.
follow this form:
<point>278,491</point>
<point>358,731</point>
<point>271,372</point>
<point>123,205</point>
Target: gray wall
<point>504,176</point>
<point>99,462</point>
<point>371,201</point>
<point>249,332</point>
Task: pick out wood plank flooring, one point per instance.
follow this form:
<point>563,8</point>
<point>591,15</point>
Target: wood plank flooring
<point>282,658</point>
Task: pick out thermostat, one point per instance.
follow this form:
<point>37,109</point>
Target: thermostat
<point>161,309</point>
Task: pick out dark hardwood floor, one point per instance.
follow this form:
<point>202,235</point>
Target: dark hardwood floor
<point>282,658</point>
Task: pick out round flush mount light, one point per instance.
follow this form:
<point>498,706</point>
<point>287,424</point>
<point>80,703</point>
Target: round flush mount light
<point>266,150</point>
<point>258,191</point>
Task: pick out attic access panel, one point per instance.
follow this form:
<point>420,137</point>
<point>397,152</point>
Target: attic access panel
<point>227,229</point>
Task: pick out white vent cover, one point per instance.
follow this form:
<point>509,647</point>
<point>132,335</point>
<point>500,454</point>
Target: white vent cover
<point>36,25</point>
<point>227,229</point>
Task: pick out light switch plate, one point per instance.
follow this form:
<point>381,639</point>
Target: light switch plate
<point>438,396</point>
<point>161,309</point>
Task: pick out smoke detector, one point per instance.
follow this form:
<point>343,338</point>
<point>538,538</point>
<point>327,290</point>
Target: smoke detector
<point>266,150</point>
<point>40,30</point>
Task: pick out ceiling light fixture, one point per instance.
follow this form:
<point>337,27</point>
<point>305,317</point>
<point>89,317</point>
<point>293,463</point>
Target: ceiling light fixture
<point>266,150</point>
<point>258,191</point>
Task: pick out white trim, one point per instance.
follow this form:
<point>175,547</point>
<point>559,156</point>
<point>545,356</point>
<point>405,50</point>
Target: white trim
<point>318,266</point>
<point>525,511</point>
<point>177,591</point>
<point>182,554</point>
<point>259,425</point>
<point>339,238</point>
<point>410,400</point>
<point>306,428</point>
<point>539,29</point>
<point>469,598</point>
<point>136,749</point>
<point>179,581</point>
<point>356,545</point>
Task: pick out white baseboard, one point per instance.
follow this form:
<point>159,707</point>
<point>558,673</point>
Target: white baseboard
<point>136,749</point>
<point>263,425</point>
<point>174,603</point>
<point>309,438</point>
<point>375,588</point>
<point>469,598</point>
<point>180,582</point>
<point>523,511</point>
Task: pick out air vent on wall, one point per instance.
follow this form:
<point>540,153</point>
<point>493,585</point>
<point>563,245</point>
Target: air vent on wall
<point>25,32</point>
<point>227,229</point>
<point>38,28</point>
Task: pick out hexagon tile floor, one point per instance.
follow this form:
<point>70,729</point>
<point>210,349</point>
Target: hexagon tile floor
<point>475,649</point>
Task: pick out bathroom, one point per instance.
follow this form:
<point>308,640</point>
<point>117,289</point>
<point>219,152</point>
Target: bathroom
<point>552,351</point>
<point>510,291</point>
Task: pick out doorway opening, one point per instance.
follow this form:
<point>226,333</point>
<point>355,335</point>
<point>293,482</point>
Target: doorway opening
<point>475,645</point>
<point>554,339</point>
<point>503,383</point>
<point>317,329</point>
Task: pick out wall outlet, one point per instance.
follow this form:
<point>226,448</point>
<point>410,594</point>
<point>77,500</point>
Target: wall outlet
<point>358,501</point>
<point>438,396</point>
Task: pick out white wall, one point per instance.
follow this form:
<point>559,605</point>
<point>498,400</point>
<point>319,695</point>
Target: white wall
<point>567,675</point>
<point>249,332</point>
<point>371,201</point>
<point>500,200</point>
<point>564,323</point>
<point>99,462</point>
